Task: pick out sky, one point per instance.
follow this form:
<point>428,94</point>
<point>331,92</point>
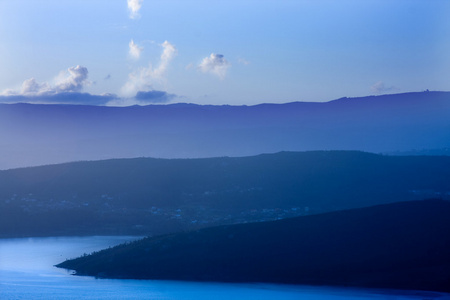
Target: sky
<point>236,52</point>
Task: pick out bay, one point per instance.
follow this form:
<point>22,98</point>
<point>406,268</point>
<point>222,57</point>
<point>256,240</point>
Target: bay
<point>27,272</point>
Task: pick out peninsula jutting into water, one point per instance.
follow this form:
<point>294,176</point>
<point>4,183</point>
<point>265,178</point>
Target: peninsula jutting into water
<point>402,245</point>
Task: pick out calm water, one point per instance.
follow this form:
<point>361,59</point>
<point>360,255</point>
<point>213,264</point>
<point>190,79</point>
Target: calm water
<point>27,272</point>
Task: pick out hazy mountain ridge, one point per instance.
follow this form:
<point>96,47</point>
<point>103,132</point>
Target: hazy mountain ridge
<point>46,134</point>
<point>151,196</point>
<point>402,245</point>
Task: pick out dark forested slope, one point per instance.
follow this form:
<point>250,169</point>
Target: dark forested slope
<point>149,196</point>
<point>402,245</point>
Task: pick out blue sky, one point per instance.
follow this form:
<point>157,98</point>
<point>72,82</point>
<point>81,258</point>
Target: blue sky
<point>220,52</point>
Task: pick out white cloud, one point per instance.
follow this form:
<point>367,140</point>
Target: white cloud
<point>72,80</point>
<point>215,64</point>
<point>66,88</point>
<point>32,87</point>
<point>145,77</point>
<point>380,88</point>
<point>135,50</point>
<point>134,6</point>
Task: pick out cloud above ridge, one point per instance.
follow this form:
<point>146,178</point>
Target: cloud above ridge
<point>66,88</point>
<point>215,64</point>
<point>74,79</point>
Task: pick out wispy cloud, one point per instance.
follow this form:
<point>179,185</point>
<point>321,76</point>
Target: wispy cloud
<point>134,6</point>
<point>380,88</point>
<point>167,55</point>
<point>243,61</point>
<point>215,64</point>
<point>135,50</point>
<point>189,66</point>
<point>144,78</point>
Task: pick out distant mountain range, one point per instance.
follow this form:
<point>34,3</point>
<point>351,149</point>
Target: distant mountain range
<point>146,196</point>
<point>33,135</point>
<point>402,246</point>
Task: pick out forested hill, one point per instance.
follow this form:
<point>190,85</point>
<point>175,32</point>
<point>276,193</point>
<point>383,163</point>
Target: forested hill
<point>148,196</point>
<point>46,134</point>
<point>402,246</point>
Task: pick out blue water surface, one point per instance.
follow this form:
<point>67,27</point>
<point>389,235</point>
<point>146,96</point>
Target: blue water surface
<point>27,272</point>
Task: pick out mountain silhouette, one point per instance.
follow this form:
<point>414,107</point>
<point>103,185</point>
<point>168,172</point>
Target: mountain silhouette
<point>46,134</point>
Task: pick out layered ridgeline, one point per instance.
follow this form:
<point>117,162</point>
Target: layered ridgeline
<point>42,134</point>
<point>403,245</point>
<point>146,196</point>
